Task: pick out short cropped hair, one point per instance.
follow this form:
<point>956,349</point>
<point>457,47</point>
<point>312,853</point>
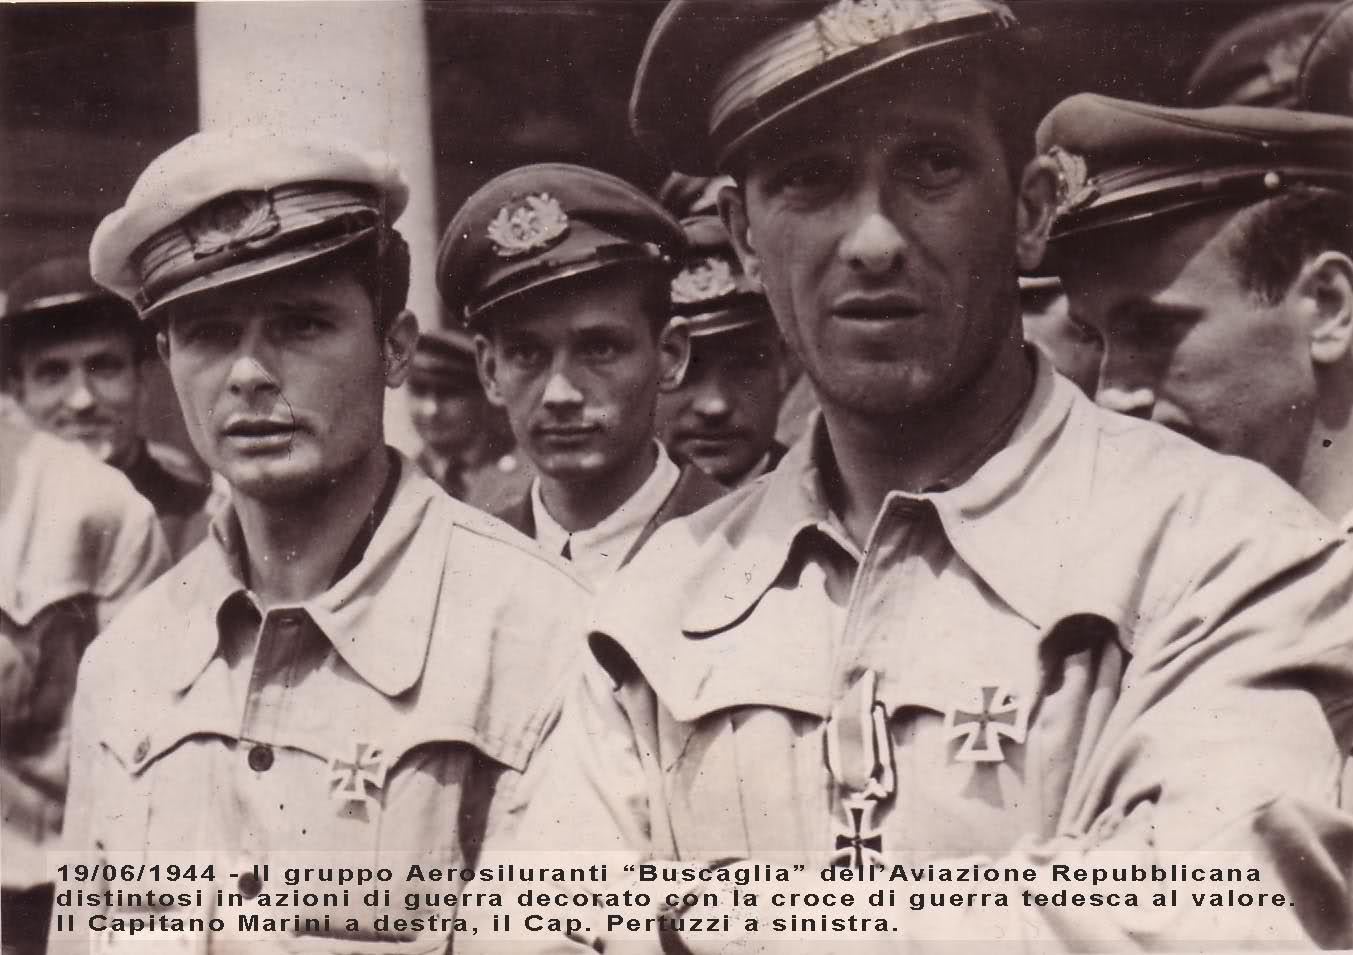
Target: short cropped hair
<point>1276,237</point>
<point>381,266</point>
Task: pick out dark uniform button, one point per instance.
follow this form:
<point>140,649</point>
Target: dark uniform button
<point>260,758</point>
<point>142,749</point>
<point>250,884</point>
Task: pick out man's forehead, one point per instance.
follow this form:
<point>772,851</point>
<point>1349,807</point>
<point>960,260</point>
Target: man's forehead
<point>1154,252</point>
<point>871,112</point>
<point>327,291</point>
<point>82,341</point>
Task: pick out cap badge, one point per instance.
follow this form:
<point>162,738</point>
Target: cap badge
<point>850,24</point>
<point>1075,190</point>
<point>709,278</point>
<point>234,220</point>
<point>535,222</point>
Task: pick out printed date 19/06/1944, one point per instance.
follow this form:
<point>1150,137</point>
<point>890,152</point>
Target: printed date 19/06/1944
<point>135,873</point>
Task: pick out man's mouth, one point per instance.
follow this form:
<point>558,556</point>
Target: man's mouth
<point>258,428</point>
<point>565,432</point>
<point>877,307</point>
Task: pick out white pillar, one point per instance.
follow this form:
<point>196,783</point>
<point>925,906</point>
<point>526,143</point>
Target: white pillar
<point>353,70</point>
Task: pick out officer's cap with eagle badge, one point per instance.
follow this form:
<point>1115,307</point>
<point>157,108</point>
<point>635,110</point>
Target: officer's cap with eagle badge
<point>711,291</point>
<point>546,223</point>
<point>228,205</point>
<point>715,73</point>
<point>1325,83</point>
<point>1122,162</point>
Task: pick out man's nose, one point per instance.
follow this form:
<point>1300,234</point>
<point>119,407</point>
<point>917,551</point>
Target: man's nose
<point>875,245</point>
<point>249,373</point>
<point>1125,385</point>
<point>80,397</point>
<point>711,402</point>
<point>560,390</point>
<point>1116,395</point>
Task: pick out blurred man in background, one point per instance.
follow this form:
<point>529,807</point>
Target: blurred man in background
<point>76,544</point>
<point>467,445</point>
<point>75,359</point>
<point>722,416</point>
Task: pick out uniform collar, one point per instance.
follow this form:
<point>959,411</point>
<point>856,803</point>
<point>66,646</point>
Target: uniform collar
<point>378,620</point>
<point>1003,521</point>
<point>598,550</point>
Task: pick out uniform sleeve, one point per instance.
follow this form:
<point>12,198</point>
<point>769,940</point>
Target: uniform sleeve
<point>135,555</point>
<point>583,801</point>
<point>81,838</point>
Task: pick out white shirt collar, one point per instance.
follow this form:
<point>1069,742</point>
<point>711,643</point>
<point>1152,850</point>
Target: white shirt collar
<point>597,551</point>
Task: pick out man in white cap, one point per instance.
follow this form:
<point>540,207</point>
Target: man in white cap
<point>354,668</point>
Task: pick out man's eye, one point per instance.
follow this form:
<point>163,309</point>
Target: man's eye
<point>49,373</point>
<point>206,334</point>
<point>302,326</point>
<point>107,366</point>
<point>933,167</point>
<point>810,175</point>
<point>524,355</point>
<point>600,350</point>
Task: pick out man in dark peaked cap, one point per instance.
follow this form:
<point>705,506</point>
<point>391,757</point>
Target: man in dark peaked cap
<point>722,415</point>
<point>970,615</point>
<point>562,272</point>
<point>1212,253</point>
<point>467,447</point>
<point>75,359</point>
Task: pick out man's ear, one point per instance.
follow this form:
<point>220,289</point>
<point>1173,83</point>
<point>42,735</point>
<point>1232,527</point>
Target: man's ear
<point>733,212</point>
<point>400,340</point>
<point>486,362</point>
<point>1323,291</point>
<point>162,344</point>
<point>674,353</point>
<point>1035,209</point>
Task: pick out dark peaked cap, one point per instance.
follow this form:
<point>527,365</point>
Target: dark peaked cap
<point>544,223</point>
<point>1122,161</point>
<point>716,72</point>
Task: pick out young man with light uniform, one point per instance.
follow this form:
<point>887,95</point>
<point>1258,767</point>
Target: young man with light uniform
<point>353,669</point>
<point>970,615</point>
<point>722,416</point>
<point>562,272</point>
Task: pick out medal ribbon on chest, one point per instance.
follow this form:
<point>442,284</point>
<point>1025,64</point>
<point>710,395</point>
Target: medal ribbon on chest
<point>860,760</point>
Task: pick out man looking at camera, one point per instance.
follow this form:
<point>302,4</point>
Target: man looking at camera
<point>353,665</point>
<point>970,613</point>
<point>562,273</point>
